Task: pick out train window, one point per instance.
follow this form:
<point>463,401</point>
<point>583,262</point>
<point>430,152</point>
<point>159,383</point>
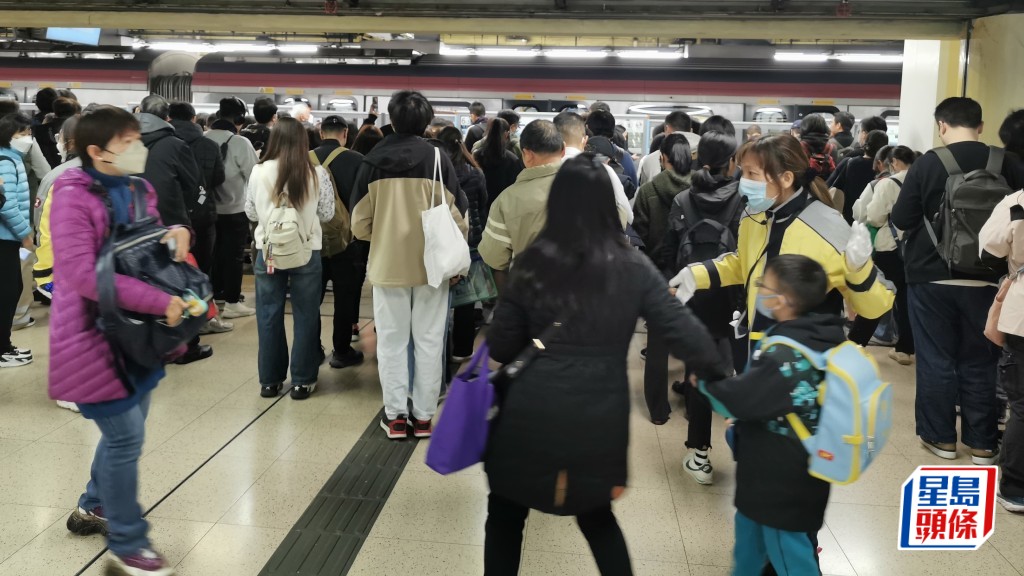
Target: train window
<point>343,104</point>
<point>694,110</point>
<point>770,115</point>
<point>450,106</point>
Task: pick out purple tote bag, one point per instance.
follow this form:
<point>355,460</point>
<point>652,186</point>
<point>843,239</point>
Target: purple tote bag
<point>460,437</point>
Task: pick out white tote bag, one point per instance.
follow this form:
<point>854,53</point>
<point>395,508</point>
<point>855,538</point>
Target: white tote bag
<point>445,251</point>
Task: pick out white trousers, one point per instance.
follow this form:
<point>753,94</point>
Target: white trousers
<point>419,314</point>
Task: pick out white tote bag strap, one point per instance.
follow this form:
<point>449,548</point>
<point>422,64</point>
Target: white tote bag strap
<point>437,180</point>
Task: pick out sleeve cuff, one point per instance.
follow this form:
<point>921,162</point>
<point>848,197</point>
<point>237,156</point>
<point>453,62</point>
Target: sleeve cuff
<point>702,275</point>
<point>863,279</point>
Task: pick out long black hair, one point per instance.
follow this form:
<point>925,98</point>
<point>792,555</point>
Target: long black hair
<point>494,147</point>
<point>714,154</point>
<point>455,147</point>
<point>567,268</point>
<point>675,149</point>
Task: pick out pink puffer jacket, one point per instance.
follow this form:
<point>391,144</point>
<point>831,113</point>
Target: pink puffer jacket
<point>81,362</point>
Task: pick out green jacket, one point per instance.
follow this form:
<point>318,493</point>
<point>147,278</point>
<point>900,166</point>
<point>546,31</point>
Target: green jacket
<point>517,216</point>
<point>652,206</point>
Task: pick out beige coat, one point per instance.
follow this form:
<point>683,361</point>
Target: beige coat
<point>1005,238</point>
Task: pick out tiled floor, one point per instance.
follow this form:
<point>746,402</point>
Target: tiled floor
<point>228,518</point>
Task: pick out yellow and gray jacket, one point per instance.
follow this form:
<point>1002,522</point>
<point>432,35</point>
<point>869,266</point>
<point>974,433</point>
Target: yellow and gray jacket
<point>392,188</point>
<point>804,226</point>
<point>42,271</point>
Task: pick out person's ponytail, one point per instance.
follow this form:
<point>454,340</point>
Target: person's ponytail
<point>714,154</point>
<point>494,143</point>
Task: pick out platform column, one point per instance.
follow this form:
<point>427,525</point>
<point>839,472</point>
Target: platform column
<point>932,72</point>
<point>995,69</point>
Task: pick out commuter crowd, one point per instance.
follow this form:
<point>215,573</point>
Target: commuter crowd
<point>747,254</point>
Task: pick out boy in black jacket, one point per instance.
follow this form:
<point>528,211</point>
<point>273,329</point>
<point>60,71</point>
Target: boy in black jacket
<point>779,506</point>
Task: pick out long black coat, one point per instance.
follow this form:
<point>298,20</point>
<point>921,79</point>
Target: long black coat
<point>474,185</point>
<point>568,413</point>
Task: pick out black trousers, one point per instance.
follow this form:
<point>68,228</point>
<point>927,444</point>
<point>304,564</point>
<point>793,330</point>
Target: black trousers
<point>10,288</point>
<point>205,244</point>
<point>232,234</point>
<point>891,264</point>
<point>1011,376</point>
<point>503,543</point>
<point>656,378</point>
<point>463,330</point>
<point>347,275</point>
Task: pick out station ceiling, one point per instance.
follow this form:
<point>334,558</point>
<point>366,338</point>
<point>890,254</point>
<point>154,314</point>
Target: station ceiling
<point>767,19</point>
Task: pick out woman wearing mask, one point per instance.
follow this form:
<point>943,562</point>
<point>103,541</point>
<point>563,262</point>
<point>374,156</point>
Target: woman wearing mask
<point>43,268</point>
<point>285,174</point>
<point>651,223</point>
<point>560,445</point>
<point>15,232</point>
<point>81,362</point>
<point>788,212</point>
<point>472,182</point>
<point>500,165</point>
<point>888,256</point>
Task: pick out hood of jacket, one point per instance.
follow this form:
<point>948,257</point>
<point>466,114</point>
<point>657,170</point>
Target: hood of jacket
<point>819,332</point>
<point>711,202</point>
<point>153,128</point>
<point>398,153</point>
<point>187,131</point>
<point>668,184</point>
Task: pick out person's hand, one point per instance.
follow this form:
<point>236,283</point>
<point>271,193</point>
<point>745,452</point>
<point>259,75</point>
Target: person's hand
<point>685,285</point>
<point>455,280</point>
<point>693,380</point>
<point>858,247</point>
<point>27,243</point>
<point>182,242</point>
<point>175,309</point>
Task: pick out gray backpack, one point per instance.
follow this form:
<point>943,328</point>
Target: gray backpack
<point>966,206</point>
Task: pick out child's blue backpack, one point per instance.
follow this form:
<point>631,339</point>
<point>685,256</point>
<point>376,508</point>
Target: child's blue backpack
<point>856,411</point>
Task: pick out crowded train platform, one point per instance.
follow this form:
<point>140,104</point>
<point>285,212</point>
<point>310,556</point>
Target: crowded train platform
<point>653,288</point>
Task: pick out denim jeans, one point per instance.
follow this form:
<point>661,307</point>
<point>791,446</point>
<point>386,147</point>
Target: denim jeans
<point>114,479</point>
<point>954,359</point>
<point>303,284</point>
<point>1012,477</point>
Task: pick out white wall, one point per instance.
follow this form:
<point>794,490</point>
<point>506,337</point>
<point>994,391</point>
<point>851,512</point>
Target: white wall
<point>920,93</point>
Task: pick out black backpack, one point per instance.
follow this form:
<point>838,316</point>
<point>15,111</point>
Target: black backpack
<point>703,238</point>
<point>203,208</point>
<point>966,205</point>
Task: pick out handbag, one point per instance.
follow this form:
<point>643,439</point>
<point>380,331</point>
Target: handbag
<point>135,250</point>
<point>477,286</point>
<point>460,437</point>
<point>992,322</point>
<point>445,250</point>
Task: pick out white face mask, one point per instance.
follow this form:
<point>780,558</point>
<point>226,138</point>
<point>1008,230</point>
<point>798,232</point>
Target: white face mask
<point>22,143</point>
<point>132,160</point>
<point>62,150</point>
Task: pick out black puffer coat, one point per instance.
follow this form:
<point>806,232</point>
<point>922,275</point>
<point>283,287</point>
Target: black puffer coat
<point>473,184</point>
<point>211,168</point>
<point>567,415</point>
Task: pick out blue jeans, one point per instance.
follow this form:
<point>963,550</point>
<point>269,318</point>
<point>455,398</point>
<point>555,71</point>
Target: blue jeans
<point>114,479</point>
<point>789,553</point>
<point>954,359</point>
<point>303,284</point>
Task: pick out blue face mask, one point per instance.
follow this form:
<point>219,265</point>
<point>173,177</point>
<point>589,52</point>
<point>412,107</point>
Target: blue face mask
<point>756,194</point>
<point>760,304</point>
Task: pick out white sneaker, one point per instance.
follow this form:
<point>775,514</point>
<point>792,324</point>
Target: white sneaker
<point>702,473</point>
<point>217,326</point>
<point>901,357</point>
<point>236,310</point>
<point>68,406</point>
<point>15,358</point>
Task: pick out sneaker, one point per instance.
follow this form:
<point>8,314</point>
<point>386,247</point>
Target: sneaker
<point>702,473</point>
<point>942,450</point>
<point>85,522</point>
<point>270,390</point>
<point>347,359</point>
<point>68,406</point>
<point>901,357</point>
<point>44,294</point>
<point>216,326</point>
<point>22,325</point>
<point>302,391</point>
<point>984,457</point>
<point>397,429</point>
<point>355,332</point>
<point>236,310</point>
<point>12,359</point>
<point>21,353</point>
<point>421,428</point>
<point>460,359</point>
<point>145,562</point>
<point>201,352</point>
<point>1011,503</point>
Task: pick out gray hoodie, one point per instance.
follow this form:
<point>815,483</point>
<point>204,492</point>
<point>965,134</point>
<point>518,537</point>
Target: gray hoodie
<point>239,159</point>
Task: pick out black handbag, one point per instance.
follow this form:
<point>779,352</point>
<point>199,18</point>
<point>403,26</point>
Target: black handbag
<point>135,250</point>
<point>503,377</point>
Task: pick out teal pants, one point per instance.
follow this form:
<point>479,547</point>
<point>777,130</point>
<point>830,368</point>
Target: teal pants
<point>789,553</point>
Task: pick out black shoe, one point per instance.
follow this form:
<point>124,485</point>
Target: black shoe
<point>323,355</point>
<point>201,352</point>
<point>643,354</point>
<point>680,387</point>
<point>302,391</point>
<point>350,358</point>
<point>270,390</point>
<point>86,522</point>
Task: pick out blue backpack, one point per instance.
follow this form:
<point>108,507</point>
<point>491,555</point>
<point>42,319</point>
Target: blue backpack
<point>856,411</point>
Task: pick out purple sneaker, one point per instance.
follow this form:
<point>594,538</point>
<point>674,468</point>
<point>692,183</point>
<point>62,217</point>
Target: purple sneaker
<point>145,562</point>
<point>85,522</point>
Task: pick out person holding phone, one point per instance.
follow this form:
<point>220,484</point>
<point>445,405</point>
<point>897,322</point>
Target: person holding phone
<point>82,366</point>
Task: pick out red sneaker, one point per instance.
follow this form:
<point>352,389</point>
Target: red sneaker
<point>397,429</point>
<point>421,428</point>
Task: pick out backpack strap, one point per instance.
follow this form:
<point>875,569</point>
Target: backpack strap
<point>950,163</point>
<point>224,149</point>
<point>995,160</point>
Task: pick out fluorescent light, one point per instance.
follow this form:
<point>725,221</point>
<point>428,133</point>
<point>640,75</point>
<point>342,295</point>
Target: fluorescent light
<point>298,48</point>
<point>559,53</point>
<point>870,58</point>
<point>650,55</point>
<point>800,57</point>
<point>243,47</point>
<point>506,52</point>
<point>447,50</point>
<point>202,48</point>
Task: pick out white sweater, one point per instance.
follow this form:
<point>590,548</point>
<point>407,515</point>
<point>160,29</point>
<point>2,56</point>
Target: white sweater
<point>878,207</point>
<point>259,203</point>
